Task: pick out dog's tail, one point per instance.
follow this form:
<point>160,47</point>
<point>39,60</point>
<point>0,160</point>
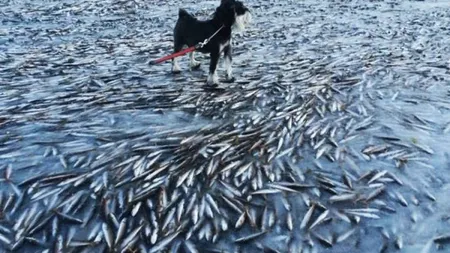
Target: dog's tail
<point>182,13</point>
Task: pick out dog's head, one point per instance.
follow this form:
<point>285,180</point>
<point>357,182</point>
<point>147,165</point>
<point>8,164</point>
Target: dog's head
<point>234,13</point>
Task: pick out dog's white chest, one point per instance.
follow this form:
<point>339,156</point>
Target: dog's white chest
<point>222,46</point>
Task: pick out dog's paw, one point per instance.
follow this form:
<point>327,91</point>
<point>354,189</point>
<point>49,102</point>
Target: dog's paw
<point>176,68</point>
<point>230,79</point>
<point>195,65</point>
<point>212,80</point>
<point>213,83</point>
<point>176,71</point>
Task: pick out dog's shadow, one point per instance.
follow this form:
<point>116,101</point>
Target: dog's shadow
<point>195,80</point>
<point>213,88</point>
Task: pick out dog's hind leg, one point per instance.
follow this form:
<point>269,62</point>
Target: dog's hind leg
<point>193,63</point>
<point>228,63</point>
<point>212,78</point>
<point>177,48</point>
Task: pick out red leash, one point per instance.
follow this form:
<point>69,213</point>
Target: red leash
<point>182,52</point>
<point>185,51</point>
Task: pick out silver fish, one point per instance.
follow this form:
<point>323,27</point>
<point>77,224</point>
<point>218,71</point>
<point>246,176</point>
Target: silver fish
<point>249,237</point>
<point>307,216</point>
<point>320,219</point>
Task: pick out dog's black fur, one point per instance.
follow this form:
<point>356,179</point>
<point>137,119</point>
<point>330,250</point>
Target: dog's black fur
<point>189,31</point>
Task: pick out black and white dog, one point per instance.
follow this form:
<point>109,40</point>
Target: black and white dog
<point>189,31</point>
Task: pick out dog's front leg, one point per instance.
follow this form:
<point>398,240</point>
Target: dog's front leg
<point>175,67</point>
<point>228,63</point>
<point>212,78</point>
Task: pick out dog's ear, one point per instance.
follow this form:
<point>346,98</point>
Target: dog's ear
<point>226,1</point>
